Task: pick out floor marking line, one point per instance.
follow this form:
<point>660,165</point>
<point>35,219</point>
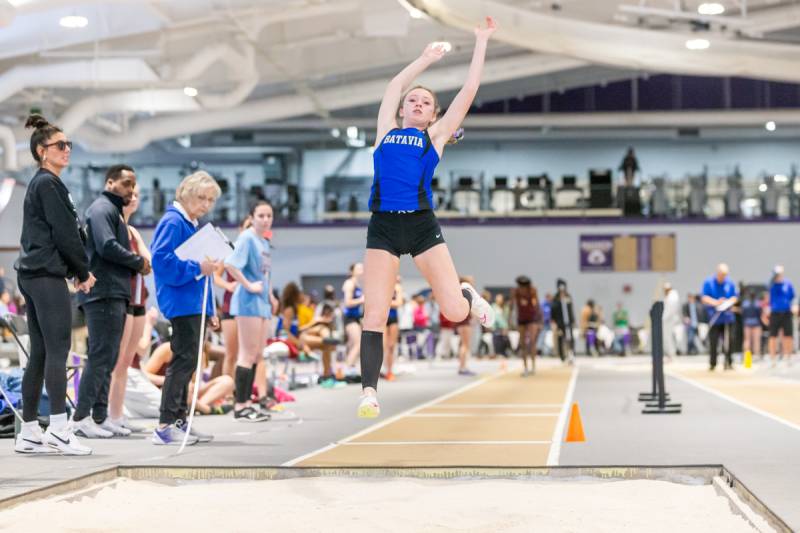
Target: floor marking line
<point>493,405</point>
<point>440,442</point>
<point>733,400</point>
<point>396,417</point>
<point>555,448</point>
<point>478,415</point>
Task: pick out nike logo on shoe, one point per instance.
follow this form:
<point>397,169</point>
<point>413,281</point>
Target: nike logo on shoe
<point>64,442</point>
<point>36,442</point>
<point>438,235</point>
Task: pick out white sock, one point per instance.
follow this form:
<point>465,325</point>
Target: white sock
<point>31,429</point>
<point>58,422</point>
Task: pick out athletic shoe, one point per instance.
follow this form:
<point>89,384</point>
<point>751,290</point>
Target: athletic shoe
<point>90,429</point>
<point>199,435</point>
<point>466,372</point>
<point>115,429</point>
<point>126,423</point>
<point>525,373</point>
<point>389,376</point>
<point>332,383</point>
<point>368,408</point>
<point>33,445</point>
<point>171,436</point>
<point>65,442</point>
<point>250,414</point>
<point>481,309</point>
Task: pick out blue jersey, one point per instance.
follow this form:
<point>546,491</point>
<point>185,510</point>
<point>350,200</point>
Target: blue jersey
<point>404,163</point>
<point>781,296</point>
<point>355,311</point>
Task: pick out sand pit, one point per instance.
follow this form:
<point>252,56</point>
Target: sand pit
<point>404,504</point>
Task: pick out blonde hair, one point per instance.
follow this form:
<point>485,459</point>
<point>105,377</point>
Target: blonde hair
<point>192,184</point>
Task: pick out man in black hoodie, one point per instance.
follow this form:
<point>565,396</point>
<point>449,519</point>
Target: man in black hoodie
<point>112,262</point>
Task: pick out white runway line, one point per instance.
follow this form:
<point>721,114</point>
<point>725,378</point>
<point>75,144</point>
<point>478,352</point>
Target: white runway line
<point>493,405</point>
<point>478,415</point>
<point>439,442</point>
<point>735,401</point>
<point>555,448</point>
<point>394,418</point>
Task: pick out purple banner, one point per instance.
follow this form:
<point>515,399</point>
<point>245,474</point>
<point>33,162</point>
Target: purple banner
<point>596,253</point>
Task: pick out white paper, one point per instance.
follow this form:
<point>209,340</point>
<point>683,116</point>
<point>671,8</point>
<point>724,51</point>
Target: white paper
<point>724,306</point>
<point>207,243</point>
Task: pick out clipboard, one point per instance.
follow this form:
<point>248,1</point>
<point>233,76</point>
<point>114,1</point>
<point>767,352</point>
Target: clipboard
<point>207,243</point>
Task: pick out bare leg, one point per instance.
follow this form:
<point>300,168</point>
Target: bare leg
<point>464,349</point>
<point>119,376</point>
<point>523,345</point>
<point>756,341</point>
<point>231,340</point>
<point>251,342</point>
<point>533,333</point>
<point>788,347</point>
<point>773,341</point>
<point>440,272</point>
<point>389,346</point>
<point>217,389</point>
<point>353,330</point>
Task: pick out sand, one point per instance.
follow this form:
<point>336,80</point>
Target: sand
<point>322,505</point>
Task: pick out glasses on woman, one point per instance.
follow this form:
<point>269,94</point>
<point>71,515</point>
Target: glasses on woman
<point>61,145</point>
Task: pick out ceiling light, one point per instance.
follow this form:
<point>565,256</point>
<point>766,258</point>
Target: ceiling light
<point>352,132</point>
<point>781,178</point>
<point>770,126</point>
<point>190,91</point>
<point>73,21</point>
<point>697,44</point>
<point>335,133</point>
<point>711,8</point>
<point>413,12</point>
<point>762,187</point>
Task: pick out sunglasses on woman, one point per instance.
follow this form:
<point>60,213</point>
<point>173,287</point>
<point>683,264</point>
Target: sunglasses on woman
<point>61,145</point>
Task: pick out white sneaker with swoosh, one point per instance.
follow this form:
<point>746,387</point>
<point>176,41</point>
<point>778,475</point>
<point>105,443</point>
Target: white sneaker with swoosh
<point>65,442</point>
<point>481,309</point>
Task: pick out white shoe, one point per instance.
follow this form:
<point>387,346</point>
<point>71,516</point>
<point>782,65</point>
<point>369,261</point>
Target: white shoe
<point>115,429</point>
<point>480,308</point>
<point>126,423</point>
<point>368,408</point>
<point>90,429</point>
<point>30,442</point>
<point>65,442</point>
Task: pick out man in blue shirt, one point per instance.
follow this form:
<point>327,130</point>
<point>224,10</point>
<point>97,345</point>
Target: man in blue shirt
<point>719,294</point>
<point>781,294</point>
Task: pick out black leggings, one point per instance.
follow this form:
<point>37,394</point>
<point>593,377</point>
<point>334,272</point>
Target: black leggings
<point>50,329</point>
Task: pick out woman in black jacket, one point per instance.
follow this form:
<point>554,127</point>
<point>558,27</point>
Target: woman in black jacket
<point>51,250</point>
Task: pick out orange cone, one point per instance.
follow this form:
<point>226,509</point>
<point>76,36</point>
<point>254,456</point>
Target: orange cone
<point>575,429</point>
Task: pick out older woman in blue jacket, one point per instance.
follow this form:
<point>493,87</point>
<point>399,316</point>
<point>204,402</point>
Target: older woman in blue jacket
<point>179,290</point>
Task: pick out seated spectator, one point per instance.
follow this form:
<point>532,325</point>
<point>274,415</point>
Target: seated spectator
<point>212,391</point>
<point>313,336</point>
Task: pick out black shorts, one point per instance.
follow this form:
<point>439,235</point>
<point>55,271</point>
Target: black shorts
<point>404,233</point>
<point>391,320</point>
<point>352,319</point>
<point>135,310</point>
<point>225,316</point>
<point>781,320</point>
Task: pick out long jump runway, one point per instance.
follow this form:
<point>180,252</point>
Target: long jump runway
<point>502,419</point>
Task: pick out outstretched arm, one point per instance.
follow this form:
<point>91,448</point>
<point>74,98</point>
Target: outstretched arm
<point>400,84</point>
<point>443,129</point>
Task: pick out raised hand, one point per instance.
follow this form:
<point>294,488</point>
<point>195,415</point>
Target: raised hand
<point>435,51</point>
<point>482,32</point>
